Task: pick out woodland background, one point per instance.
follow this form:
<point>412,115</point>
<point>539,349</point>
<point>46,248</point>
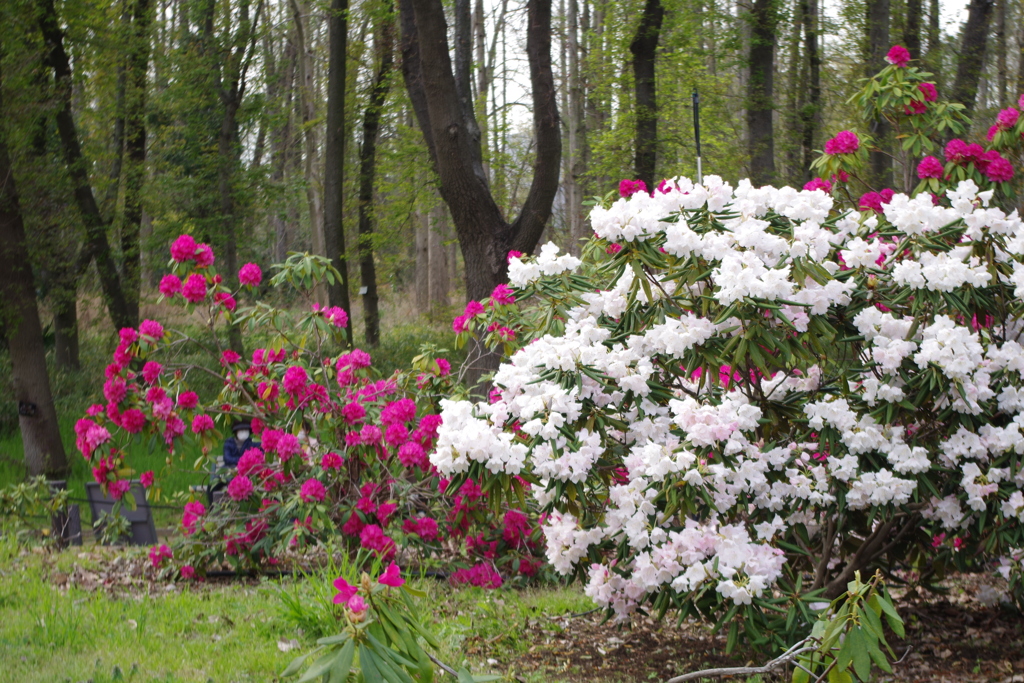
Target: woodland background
<point>270,126</point>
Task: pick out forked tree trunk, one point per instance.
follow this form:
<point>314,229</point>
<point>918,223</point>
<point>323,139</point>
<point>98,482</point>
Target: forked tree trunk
<point>484,236</point>
<point>452,138</point>
<point>972,53</point>
<point>760,91</point>
<point>645,50</point>
<point>40,432</point>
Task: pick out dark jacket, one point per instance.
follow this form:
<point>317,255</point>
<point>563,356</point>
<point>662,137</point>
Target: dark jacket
<point>232,452</point>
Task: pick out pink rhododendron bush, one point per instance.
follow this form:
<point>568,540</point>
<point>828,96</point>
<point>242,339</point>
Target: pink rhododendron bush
<point>341,454</point>
<point>741,396</point>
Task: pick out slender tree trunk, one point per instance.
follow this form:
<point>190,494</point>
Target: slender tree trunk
<point>972,53</point>
<point>645,50</point>
<point>878,45</point>
<point>1020,52</point>
<point>97,245</point>
<point>933,58</point>
<point>464,83</point>
<point>384,43</point>
<point>912,29</point>
<point>796,97</point>
<point>135,155</point>
<point>483,77</point>
<point>437,269</point>
<point>422,246</point>
<point>576,135</point>
<point>1002,73</point>
<point>760,94</point>
<point>311,155</point>
<point>334,156</point>
<point>811,114</point>
<point>37,417</point>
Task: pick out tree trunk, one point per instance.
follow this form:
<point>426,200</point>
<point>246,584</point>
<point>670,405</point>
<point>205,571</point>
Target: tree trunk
<point>576,136</point>
<point>644,49</point>
<point>1020,53</point>
<point>97,246</point>
<point>437,268</point>
<point>334,156</point>
<point>912,29</point>
<point>933,58</point>
<point>37,417</point>
<point>811,112</point>
<point>135,155</point>
<point>878,45</point>
<point>232,83</point>
<point>422,246</point>
<point>311,155</point>
<point>796,98</point>
<point>760,105</point>
<point>384,43</point>
<point>972,53</point>
<point>484,235</point>
<point>1002,74</point>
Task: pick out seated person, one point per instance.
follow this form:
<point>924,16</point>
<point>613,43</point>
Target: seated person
<point>238,444</point>
<point>234,448</point>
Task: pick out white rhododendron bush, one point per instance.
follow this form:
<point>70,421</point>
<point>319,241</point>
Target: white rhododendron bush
<point>741,396</point>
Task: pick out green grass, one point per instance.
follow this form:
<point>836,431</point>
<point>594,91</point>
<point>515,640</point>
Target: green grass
<point>198,633</point>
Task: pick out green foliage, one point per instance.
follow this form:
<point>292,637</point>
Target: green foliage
<point>382,638</point>
<point>23,501</point>
<point>850,635</point>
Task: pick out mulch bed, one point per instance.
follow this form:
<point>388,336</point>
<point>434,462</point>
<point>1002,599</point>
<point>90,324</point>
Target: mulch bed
<point>950,638</point>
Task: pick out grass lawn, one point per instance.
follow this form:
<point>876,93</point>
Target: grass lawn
<point>52,631</point>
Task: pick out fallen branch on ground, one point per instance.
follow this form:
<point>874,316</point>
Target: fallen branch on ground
<point>785,658</point>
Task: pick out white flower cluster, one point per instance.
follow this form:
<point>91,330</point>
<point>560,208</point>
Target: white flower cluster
<point>686,559</point>
<point>522,273</point>
<point>942,272</point>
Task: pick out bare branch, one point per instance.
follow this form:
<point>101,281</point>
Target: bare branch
<point>782,660</point>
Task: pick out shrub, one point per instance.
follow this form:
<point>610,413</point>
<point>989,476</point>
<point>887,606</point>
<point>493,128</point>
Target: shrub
<point>342,452</point>
<point>742,396</point>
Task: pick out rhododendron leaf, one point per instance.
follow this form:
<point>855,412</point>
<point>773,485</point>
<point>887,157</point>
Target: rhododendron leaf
<point>296,664</point>
<point>343,663</point>
<point>319,667</point>
<point>879,658</point>
<point>334,640</point>
<point>368,663</point>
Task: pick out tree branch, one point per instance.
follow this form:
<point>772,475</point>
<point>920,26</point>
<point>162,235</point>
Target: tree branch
<point>782,660</point>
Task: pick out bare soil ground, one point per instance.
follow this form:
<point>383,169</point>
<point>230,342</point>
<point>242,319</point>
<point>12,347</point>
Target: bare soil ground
<point>950,638</point>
